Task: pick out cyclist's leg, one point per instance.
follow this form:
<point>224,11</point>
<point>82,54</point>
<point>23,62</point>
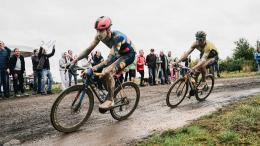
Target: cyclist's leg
<point>210,61</point>
<point>115,67</point>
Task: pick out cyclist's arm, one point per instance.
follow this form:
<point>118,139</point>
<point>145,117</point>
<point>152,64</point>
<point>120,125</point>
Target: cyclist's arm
<point>202,60</point>
<point>86,52</point>
<point>186,54</point>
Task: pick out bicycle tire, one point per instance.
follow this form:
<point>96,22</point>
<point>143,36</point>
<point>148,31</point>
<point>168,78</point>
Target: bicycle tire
<point>55,105</point>
<point>168,96</point>
<point>198,97</point>
<point>113,111</point>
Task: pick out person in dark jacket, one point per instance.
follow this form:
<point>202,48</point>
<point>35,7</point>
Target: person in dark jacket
<point>37,76</point>
<point>44,66</point>
<point>17,68</point>
<point>98,58</point>
<point>151,63</point>
<point>5,53</point>
<point>164,68</point>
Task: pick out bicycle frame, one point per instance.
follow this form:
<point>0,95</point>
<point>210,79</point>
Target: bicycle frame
<point>88,83</point>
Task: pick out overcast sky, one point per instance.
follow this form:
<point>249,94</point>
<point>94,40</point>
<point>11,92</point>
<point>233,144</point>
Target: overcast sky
<point>163,25</point>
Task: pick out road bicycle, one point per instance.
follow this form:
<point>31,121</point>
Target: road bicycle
<point>190,82</point>
<point>75,104</point>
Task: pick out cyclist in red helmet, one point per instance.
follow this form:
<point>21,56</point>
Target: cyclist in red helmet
<point>122,54</point>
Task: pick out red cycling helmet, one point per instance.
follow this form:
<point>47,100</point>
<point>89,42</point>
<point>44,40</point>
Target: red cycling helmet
<point>103,22</point>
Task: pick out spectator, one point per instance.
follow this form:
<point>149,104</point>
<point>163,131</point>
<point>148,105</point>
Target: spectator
<point>37,76</point>
<point>44,66</point>
<point>158,67</point>
<point>86,62</point>
<point>98,58</point>
<point>17,68</point>
<point>185,63</point>
<point>126,70</point>
<point>63,62</point>
<point>70,58</point>
<point>5,53</point>
<point>176,69</point>
<point>151,63</point>
<point>132,71</point>
<point>215,67</point>
<point>140,66</point>
<point>170,66</point>
<point>164,68</point>
<point>257,58</point>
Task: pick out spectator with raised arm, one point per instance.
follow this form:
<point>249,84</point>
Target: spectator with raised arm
<point>44,65</point>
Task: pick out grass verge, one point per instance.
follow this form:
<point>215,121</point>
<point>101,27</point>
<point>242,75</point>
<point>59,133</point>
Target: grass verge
<point>237,124</point>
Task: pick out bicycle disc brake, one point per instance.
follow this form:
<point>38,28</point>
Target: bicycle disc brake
<point>76,109</point>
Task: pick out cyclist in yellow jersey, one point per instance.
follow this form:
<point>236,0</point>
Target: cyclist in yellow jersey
<point>208,55</point>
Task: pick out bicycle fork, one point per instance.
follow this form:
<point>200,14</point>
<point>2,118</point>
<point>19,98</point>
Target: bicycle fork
<point>81,94</point>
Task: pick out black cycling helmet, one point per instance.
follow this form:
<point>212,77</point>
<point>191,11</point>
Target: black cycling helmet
<point>200,35</point>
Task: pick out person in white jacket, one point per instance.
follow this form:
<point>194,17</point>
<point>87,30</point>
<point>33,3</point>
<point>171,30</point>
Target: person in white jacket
<point>64,75</point>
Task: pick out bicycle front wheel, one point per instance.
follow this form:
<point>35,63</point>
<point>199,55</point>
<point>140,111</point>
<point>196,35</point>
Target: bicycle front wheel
<point>176,93</point>
<point>72,108</point>
<point>205,92</point>
<point>126,100</point>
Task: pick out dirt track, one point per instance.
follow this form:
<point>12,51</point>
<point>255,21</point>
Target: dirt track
<point>27,119</point>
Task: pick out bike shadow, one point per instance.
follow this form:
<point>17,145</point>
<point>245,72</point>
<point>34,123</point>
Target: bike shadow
<point>193,105</point>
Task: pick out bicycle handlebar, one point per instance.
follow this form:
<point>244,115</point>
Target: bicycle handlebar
<point>72,68</point>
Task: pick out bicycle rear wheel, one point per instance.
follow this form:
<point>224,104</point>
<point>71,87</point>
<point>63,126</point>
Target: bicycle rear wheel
<point>176,93</point>
<point>126,100</point>
<point>205,92</point>
<point>72,108</point>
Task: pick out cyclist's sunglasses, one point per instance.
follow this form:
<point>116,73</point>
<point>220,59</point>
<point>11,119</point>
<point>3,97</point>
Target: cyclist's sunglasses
<point>200,39</point>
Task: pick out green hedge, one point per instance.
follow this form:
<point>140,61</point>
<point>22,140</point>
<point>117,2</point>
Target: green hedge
<point>237,65</point>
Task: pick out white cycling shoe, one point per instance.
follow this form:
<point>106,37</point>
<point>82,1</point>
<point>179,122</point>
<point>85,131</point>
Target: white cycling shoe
<point>107,104</point>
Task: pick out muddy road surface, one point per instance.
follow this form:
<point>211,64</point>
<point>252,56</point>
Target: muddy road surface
<point>27,120</point>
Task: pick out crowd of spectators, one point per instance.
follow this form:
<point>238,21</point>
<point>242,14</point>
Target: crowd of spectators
<point>13,67</point>
<point>161,69</point>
